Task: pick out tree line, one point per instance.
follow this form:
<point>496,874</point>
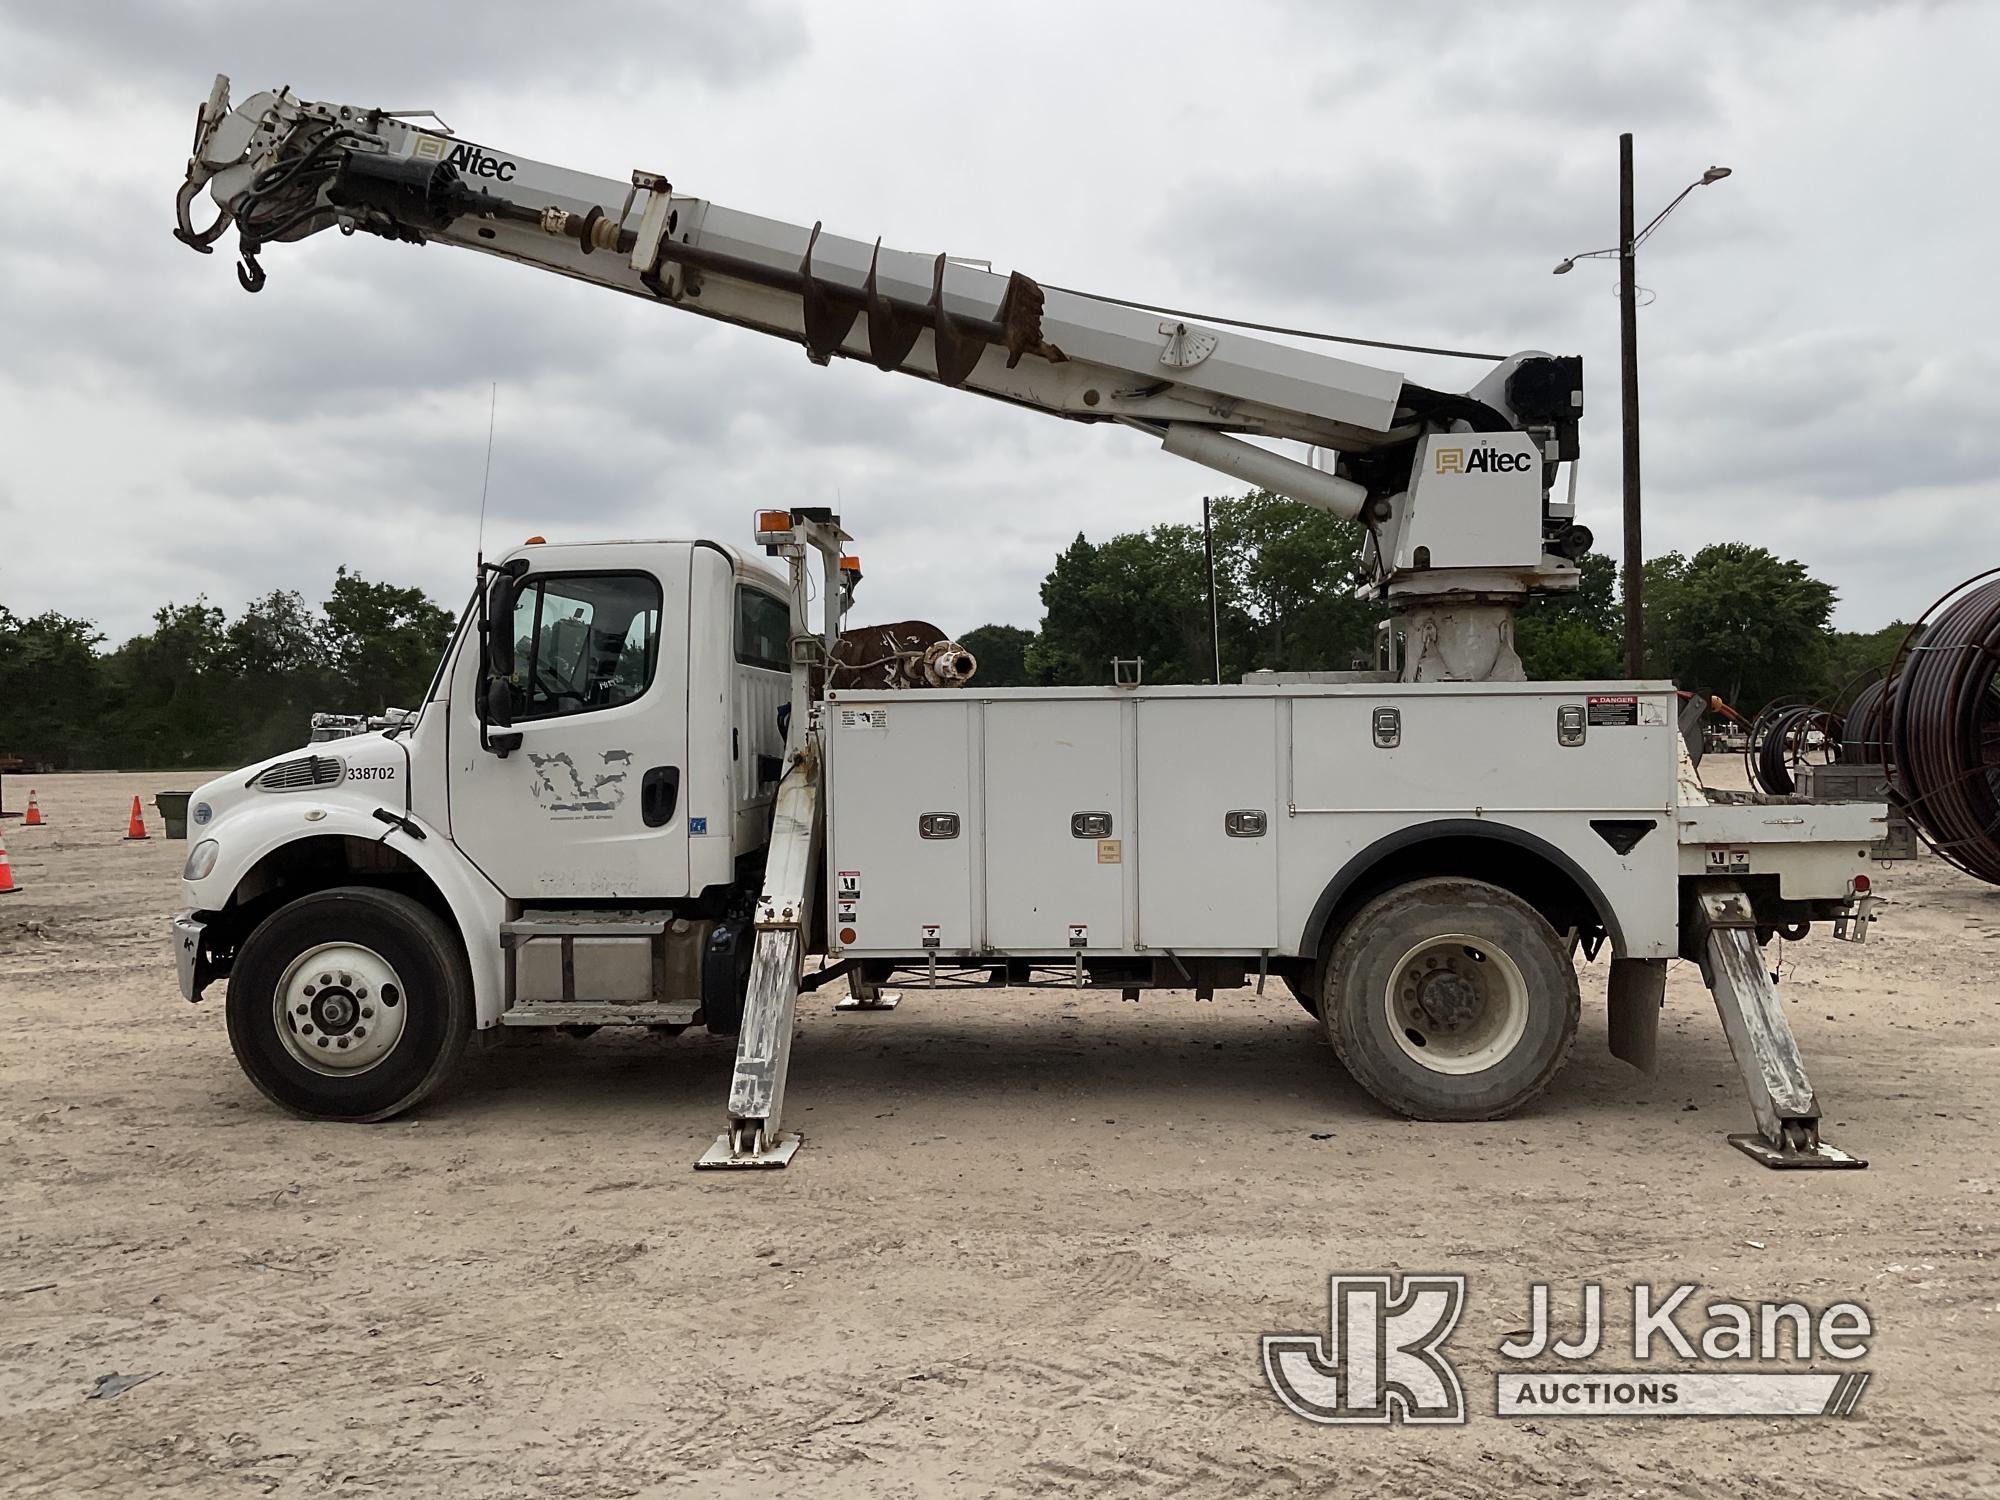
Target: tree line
<point>1732,619</point>
<point>201,689</point>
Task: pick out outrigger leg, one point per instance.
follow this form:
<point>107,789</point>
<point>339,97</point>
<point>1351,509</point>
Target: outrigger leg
<point>1767,1054</point>
<point>764,1046</point>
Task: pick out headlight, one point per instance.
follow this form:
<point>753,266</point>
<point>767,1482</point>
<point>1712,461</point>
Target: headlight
<point>201,859</point>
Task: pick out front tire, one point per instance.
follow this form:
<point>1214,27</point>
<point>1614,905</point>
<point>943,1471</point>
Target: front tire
<point>1450,1000</point>
<point>349,1004</point>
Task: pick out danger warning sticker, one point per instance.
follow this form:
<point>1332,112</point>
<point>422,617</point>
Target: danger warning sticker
<point>1612,709</point>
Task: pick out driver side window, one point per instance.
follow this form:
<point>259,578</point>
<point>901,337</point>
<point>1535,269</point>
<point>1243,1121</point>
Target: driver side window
<point>583,641</point>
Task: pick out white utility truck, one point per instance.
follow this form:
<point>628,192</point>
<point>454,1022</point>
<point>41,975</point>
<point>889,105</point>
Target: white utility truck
<point>634,795</point>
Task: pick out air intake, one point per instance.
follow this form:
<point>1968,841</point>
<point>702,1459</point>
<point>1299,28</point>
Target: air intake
<point>306,771</point>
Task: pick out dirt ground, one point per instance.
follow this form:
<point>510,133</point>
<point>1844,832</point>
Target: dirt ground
<point>1028,1248</point>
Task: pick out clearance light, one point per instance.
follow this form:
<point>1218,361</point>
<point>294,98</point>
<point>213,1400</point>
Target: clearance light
<point>850,564</point>
<point>536,541</point>
<point>769,521</point>
<point>1859,885</point>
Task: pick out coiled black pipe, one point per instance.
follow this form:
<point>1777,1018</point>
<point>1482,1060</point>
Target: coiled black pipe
<point>1781,738</point>
<point>1944,731</point>
<point>1865,737</point>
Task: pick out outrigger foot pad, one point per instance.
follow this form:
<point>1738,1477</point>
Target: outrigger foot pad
<point>762,1155</point>
<point>1811,1155</point>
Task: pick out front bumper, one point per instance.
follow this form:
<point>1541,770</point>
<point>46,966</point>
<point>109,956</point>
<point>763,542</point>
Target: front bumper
<point>191,961</point>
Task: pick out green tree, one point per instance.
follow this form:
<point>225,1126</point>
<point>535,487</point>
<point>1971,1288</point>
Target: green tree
<point>1577,636</point>
<point>172,700</point>
<point>1002,653</point>
<point>1288,573</point>
<point>51,688</point>
<point>278,658</point>
<point>381,642</point>
<point>1736,620</point>
<point>1853,656</point>
<point>1140,594</point>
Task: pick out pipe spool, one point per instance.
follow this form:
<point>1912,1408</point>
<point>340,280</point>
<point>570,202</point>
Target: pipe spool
<point>906,654</point>
<point>1944,726</point>
<point>1782,738</point>
<point>1865,732</point>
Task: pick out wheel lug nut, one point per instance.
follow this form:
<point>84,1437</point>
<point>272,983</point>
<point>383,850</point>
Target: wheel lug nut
<point>367,1012</point>
<point>326,979</point>
<point>305,1010</point>
<point>322,1041</point>
<point>361,992</point>
<point>343,1044</point>
<point>307,1028</point>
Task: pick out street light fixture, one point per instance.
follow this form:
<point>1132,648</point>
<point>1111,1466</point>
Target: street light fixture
<point>1628,349</point>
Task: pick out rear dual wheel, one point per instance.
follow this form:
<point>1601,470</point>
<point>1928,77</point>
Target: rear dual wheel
<point>1450,999</point>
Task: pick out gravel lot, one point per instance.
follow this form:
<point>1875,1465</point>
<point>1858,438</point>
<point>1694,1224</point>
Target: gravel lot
<point>1028,1248</point>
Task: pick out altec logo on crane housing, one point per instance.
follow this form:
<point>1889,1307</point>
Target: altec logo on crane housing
<point>1481,461</point>
<point>469,159</point>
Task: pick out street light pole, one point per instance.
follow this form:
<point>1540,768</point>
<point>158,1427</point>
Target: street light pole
<point>1628,360</point>
<point>1627,251</point>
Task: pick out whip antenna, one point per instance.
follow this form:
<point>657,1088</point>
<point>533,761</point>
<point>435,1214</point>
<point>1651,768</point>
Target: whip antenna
<point>492,411</point>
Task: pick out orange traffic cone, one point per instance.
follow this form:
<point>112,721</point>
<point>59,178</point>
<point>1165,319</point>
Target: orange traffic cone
<point>7,886</point>
<point>34,817</point>
<point>136,827</point>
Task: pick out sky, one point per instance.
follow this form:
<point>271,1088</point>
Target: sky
<point>1820,354</point>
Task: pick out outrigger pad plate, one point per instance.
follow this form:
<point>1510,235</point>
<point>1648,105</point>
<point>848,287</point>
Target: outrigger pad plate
<point>884,1000</point>
<point>1825,1158</point>
<point>779,1153</point>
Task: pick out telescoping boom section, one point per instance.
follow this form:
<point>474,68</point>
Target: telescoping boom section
<point>1457,490</point>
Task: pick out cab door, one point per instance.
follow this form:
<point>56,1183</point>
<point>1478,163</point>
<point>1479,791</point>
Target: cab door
<point>591,803</point>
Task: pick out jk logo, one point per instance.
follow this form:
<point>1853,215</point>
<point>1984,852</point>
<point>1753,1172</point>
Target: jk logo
<point>1381,1359</point>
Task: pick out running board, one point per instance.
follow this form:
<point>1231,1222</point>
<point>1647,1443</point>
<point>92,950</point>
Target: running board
<point>1782,1100</point>
<point>597,1013</point>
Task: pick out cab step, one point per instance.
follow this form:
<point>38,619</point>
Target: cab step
<point>597,1013</point>
<point>633,966</point>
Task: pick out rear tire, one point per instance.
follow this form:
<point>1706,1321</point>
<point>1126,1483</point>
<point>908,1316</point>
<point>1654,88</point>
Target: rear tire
<point>1450,1000</point>
<point>349,1004</point>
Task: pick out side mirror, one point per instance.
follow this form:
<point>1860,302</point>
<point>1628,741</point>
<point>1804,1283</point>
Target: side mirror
<point>499,643</point>
<point>496,705</point>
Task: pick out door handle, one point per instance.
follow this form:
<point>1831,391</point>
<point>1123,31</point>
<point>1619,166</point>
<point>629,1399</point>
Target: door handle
<point>659,790</point>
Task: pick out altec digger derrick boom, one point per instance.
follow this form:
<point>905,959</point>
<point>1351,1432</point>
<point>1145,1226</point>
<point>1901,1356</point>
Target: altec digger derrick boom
<point>1454,489</point>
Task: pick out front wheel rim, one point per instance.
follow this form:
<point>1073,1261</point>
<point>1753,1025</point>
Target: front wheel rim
<point>1456,1004</point>
<point>340,1009</point>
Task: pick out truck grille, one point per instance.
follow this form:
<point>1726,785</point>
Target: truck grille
<point>306,771</point>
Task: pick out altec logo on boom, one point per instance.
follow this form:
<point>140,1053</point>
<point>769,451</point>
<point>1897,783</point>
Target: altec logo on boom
<point>1481,461</point>
<point>469,159</point>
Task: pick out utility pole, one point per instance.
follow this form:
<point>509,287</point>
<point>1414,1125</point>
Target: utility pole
<point>1628,359</point>
<point>1214,616</point>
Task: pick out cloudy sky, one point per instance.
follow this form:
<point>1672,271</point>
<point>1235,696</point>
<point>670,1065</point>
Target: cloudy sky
<point>1821,368</point>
